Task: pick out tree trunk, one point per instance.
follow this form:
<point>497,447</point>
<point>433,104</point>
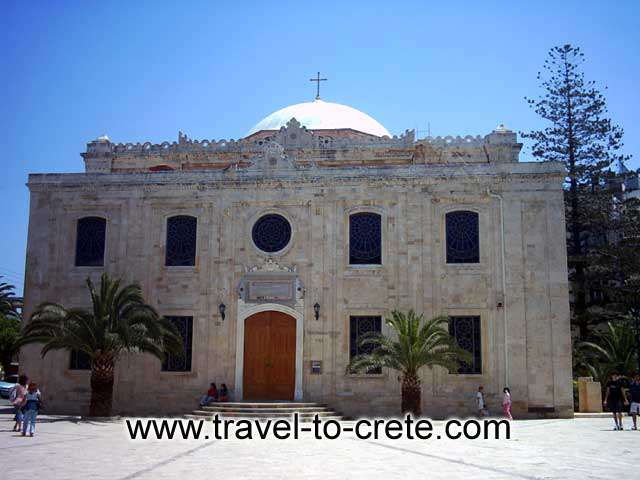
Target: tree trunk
<point>575,226</point>
<point>102,369</point>
<point>411,395</point>
<point>5,362</point>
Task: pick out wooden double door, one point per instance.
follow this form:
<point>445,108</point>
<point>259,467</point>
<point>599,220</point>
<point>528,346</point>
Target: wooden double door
<point>269,371</point>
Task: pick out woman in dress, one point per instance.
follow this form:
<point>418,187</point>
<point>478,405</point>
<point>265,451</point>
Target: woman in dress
<point>506,403</point>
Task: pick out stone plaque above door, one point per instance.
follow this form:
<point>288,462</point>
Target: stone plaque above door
<point>270,282</point>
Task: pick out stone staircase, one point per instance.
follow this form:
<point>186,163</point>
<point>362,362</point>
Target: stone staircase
<point>265,410</point>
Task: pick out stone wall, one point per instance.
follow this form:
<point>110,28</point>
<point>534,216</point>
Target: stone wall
<point>525,328</point>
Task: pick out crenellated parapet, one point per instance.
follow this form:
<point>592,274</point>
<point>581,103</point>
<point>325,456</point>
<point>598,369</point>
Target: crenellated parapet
<point>299,147</point>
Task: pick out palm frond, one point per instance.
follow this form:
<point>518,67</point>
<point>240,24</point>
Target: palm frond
<point>118,320</point>
<point>414,344</point>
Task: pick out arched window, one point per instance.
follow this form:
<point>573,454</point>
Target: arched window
<point>365,239</point>
<point>181,241</point>
<point>463,237</point>
<point>90,241</point>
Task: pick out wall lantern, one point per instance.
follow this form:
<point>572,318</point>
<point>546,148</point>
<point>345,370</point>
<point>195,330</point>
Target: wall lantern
<point>316,310</point>
<point>221,308</point>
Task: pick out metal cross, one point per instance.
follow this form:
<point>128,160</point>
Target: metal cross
<point>318,80</point>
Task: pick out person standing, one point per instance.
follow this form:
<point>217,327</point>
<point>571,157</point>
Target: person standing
<point>634,393</point>
<point>506,403</point>
<point>614,398</point>
<point>16,397</point>
<point>31,407</point>
<point>480,403</point>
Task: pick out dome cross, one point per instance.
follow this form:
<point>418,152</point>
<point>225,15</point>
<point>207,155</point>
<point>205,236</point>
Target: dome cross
<point>318,80</point>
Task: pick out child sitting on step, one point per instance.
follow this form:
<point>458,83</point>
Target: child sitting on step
<point>211,396</point>
<point>224,393</point>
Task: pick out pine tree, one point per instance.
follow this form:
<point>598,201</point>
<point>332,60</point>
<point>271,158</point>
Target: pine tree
<point>617,266</point>
<point>585,140</point>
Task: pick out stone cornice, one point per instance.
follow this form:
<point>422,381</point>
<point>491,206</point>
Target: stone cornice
<point>537,172</point>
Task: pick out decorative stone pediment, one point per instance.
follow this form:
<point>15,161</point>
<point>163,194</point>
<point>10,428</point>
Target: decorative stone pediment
<point>270,265</point>
<point>294,135</point>
<point>270,282</point>
<point>273,157</point>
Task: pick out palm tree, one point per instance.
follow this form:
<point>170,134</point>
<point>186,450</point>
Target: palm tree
<point>119,321</point>
<point>415,345</point>
<point>10,305</point>
<point>612,349</point>
<point>10,317</point>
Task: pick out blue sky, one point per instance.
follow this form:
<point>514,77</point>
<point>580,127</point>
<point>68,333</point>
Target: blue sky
<point>139,71</point>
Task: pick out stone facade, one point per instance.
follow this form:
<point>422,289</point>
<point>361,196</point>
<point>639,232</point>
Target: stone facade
<point>315,179</point>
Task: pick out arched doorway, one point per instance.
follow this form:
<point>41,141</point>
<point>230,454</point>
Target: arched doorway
<point>269,371</point>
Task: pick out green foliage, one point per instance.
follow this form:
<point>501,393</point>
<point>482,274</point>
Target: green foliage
<point>10,305</point>
<point>616,264</point>
<point>612,349</point>
<point>118,321</point>
<point>9,333</point>
<point>10,317</point>
<point>581,136</point>
<point>413,345</point>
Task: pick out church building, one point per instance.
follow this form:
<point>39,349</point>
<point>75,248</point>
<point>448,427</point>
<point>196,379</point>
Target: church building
<point>274,253</point>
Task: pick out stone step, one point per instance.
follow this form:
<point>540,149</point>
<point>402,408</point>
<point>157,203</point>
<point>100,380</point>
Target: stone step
<point>265,414</point>
<point>265,410</point>
<point>266,404</point>
<point>596,414</point>
<point>303,418</point>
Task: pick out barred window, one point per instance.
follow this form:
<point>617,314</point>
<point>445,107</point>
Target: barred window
<point>463,237</point>
<point>90,241</point>
<point>180,363</point>
<point>365,239</point>
<point>79,361</point>
<point>181,241</point>
<point>359,326</point>
<point>466,331</point>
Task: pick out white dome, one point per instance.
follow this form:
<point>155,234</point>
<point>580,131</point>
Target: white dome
<point>320,115</point>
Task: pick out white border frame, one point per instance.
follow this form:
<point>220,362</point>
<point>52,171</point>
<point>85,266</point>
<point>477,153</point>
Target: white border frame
<point>244,312</point>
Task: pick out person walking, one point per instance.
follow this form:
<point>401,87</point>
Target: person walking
<point>614,398</point>
<point>506,403</point>
<point>32,404</point>
<point>481,405</point>
<point>634,392</point>
<point>16,397</point>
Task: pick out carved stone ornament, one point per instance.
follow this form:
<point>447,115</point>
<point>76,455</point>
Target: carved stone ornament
<point>271,282</point>
<point>270,265</point>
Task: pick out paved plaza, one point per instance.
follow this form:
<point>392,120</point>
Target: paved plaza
<point>66,448</point>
